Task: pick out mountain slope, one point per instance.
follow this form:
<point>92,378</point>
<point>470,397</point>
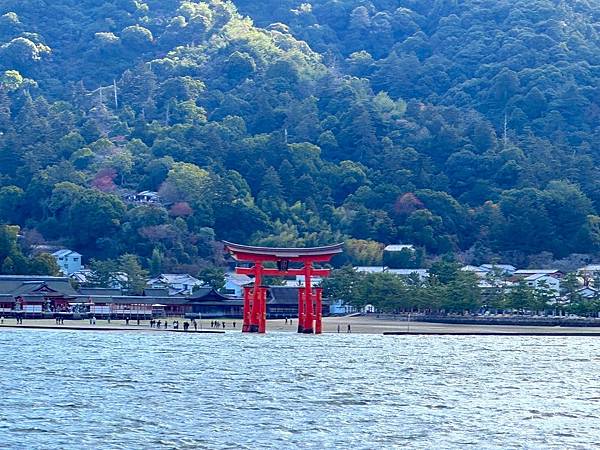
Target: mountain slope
<point>452,125</point>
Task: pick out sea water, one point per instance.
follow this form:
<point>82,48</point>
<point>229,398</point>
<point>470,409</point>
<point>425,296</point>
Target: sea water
<point>134,390</point>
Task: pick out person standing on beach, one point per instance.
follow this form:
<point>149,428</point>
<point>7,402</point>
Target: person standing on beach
<point>349,329</point>
<point>339,327</point>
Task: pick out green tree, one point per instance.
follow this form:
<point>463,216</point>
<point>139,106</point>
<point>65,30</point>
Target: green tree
<point>343,284</point>
<point>104,273</point>
<point>44,264</point>
<point>136,277</point>
<point>156,262</point>
<point>212,276</point>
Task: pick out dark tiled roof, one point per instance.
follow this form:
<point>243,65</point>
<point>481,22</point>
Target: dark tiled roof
<point>207,294</point>
<point>283,295</point>
<point>144,300</point>
<point>156,291</point>
<point>99,291</point>
<point>28,284</point>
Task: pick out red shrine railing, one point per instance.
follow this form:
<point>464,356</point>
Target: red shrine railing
<point>255,297</point>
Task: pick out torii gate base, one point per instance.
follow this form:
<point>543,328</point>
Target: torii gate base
<point>310,300</point>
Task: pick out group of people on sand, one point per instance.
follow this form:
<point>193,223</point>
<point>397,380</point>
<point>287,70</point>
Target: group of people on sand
<point>127,319</point>
<point>217,324</point>
<point>159,323</point>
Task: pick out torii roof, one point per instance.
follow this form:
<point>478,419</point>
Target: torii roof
<point>249,252</point>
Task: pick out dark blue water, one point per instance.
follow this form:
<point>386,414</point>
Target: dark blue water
<point>80,390</point>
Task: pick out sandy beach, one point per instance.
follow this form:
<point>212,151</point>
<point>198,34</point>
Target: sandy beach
<point>359,324</point>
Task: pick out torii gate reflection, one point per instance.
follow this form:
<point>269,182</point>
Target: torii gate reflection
<point>255,297</point>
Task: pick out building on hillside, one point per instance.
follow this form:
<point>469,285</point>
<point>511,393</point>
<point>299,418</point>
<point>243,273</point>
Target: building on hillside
<point>399,248</point>
<point>84,277</point>
<point>38,249</point>
<point>234,284</point>
<point>587,292</point>
<point>177,283</point>
<point>144,197</point>
<point>370,269</point>
<point>480,272</point>
<point>68,261</point>
<point>589,273</point>
<point>402,256</point>
<point>421,273</point>
<point>503,269</point>
<point>539,280</point>
<point>523,273</point>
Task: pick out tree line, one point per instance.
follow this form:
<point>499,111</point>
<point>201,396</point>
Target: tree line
<point>449,290</point>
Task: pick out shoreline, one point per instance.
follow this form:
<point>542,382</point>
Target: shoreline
<point>105,328</point>
<point>331,325</point>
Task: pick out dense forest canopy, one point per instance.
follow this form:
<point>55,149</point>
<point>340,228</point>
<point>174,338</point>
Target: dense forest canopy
<point>458,126</point>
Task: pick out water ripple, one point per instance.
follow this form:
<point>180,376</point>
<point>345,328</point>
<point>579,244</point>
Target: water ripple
<point>73,390</point>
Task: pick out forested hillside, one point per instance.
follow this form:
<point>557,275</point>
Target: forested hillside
<point>459,126</point>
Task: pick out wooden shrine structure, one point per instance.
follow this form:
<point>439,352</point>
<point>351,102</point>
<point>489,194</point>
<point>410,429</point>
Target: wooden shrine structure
<point>255,297</point>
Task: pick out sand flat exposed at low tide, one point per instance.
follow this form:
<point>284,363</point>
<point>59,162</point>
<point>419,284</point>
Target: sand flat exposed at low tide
<point>358,324</point>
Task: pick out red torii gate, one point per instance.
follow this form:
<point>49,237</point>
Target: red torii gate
<point>255,297</point>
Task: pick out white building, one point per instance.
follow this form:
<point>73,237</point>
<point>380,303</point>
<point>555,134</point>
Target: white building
<point>68,261</point>
<point>144,197</point>
<point>177,283</point>
<point>338,307</point>
<point>548,281</point>
<point>399,247</point>
<point>234,284</point>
